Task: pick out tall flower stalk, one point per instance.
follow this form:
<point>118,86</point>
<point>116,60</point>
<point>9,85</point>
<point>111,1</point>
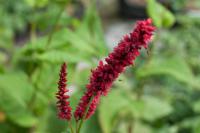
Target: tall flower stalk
<point>63,103</point>
<point>102,78</point>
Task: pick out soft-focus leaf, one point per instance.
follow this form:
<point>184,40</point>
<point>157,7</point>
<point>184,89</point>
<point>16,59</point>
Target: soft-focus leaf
<point>92,125</point>
<point>155,108</point>
<point>36,3</point>
<point>148,108</point>
<point>193,123</point>
<point>166,129</point>
<point>50,123</point>
<point>140,127</point>
<point>15,93</point>
<point>149,105</point>
<point>59,57</point>
<point>196,128</point>
<point>6,36</point>
<point>109,108</point>
<point>196,106</point>
<point>160,15</point>
<point>91,30</point>
<point>3,57</point>
<point>173,66</point>
<point>79,42</point>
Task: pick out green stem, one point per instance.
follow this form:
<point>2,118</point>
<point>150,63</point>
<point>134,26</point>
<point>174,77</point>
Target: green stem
<point>34,95</point>
<point>54,26</point>
<point>70,126</point>
<point>140,89</point>
<point>84,116</point>
<point>130,127</point>
<point>33,27</point>
<point>77,122</point>
<point>33,32</point>
<point>80,125</point>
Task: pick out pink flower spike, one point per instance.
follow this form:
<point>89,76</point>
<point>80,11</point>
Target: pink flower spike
<point>93,106</point>
<point>123,55</point>
<point>82,106</point>
<point>63,103</point>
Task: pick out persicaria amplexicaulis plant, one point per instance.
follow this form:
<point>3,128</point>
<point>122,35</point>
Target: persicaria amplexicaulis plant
<point>104,75</point>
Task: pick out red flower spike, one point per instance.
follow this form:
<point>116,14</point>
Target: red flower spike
<point>63,103</point>
<point>105,74</point>
<point>82,106</point>
<point>93,106</point>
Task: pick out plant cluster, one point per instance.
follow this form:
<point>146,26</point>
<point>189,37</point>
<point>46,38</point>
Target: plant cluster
<point>105,74</point>
<point>161,94</point>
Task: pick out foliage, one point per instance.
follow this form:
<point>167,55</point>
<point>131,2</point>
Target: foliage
<point>159,95</point>
<point>160,15</point>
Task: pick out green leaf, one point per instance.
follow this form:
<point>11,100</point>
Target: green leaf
<point>142,108</point>
<point>46,89</point>
<point>160,15</point>
<point>1,69</point>
<point>59,57</point>
<point>37,3</point>
<point>192,123</point>
<point>50,123</point>
<point>67,46</point>
<point>91,30</point>
<point>140,127</point>
<point>109,108</point>
<point>174,66</point>
<point>15,93</point>
<point>196,106</point>
<point>166,129</point>
<point>196,129</point>
<point>155,108</point>
<point>79,42</point>
<point>91,125</point>
<point>3,57</point>
<point>6,34</point>
<point>147,108</point>
<point>30,47</point>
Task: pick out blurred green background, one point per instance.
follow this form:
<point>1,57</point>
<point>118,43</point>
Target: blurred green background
<point>160,94</point>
